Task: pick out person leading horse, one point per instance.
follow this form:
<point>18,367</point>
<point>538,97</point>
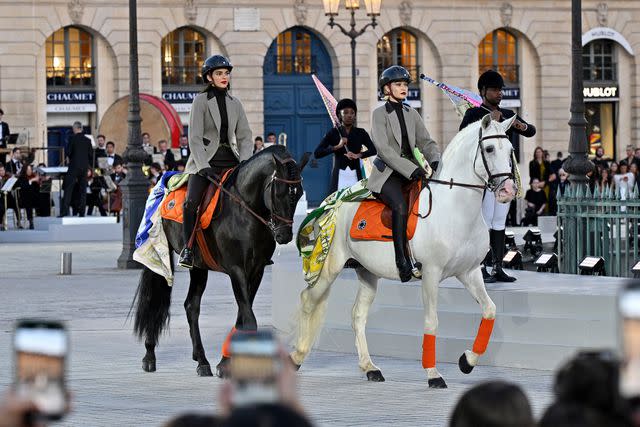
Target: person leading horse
<point>397,130</point>
<point>490,85</point>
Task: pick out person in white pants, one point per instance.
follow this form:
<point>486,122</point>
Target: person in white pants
<point>490,86</point>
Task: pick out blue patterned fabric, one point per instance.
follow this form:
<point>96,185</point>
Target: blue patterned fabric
<point>153,201</point>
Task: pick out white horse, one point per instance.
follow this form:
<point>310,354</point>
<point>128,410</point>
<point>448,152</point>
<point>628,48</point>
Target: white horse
<point>451,241</point>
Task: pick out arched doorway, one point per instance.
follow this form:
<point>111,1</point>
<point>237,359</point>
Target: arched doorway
<point>292,104</point>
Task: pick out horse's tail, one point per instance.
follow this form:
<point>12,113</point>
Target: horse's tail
<point>152,301</point>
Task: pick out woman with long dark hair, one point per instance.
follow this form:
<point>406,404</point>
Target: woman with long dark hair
<point>219,139</point>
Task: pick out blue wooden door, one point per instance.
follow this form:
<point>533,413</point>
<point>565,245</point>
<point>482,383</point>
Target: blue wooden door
<point>292,103</point>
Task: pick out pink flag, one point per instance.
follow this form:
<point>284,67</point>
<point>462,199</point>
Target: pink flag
<point>330,102</point>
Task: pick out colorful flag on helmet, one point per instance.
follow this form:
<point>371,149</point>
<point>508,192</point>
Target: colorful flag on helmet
<point>462,99</point>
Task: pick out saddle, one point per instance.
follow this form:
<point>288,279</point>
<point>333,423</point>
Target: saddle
<point>372,221</point>
<point>171,209</point>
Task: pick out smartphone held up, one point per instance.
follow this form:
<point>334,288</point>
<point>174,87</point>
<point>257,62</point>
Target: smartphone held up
<point>40,352</point>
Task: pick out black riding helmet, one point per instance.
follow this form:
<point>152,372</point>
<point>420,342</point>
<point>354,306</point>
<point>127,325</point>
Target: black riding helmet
<point>213,63</point>
<point>395,73</point>
<point>345,103</point>
<point>490,78</point>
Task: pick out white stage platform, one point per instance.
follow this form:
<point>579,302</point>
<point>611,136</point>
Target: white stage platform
<point>542,319</point>
<point>68,229</point>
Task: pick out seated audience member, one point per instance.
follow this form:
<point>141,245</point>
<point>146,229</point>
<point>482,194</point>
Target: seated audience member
<point>155,173</point>
<point>7,198</point>
<point>590,380</point>
<point>100,150</point>
<point>184,148</point>
<point>43,196</point>
<point>258,145</point>
<point>574,415</point>
<point>27,192</point>
<point>112,157</point>
<point>563,183</point>
<point>536,203</point>
<point>180,165</point>
<point>95,187</point>
<point>167,155</point>
<point>493,404</point>
<point>272,414</point>
<point>118,174</point>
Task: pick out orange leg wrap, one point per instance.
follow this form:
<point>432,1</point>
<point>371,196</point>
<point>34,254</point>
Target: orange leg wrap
<point>226,351</point>
<point>429,351</point>
<point>484,333</point>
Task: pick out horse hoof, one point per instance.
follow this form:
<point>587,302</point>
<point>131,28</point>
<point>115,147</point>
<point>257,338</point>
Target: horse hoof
<point>375,376</point>
<point>437,383</point>
<point>222,369</point>
<point>204,371</point>
<point>294,364</point>
<point>464,365</point>
<point>149,365</point>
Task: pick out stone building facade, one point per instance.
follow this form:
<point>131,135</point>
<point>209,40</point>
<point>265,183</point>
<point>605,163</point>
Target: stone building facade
<point>527,39</point>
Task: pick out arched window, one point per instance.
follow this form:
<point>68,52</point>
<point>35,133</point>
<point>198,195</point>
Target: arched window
<point>69,54</point>
<point>499,51</point>
<point>183,53</point>
<point>399,47</point>
<point>599,61</point>
<point>290,53</point>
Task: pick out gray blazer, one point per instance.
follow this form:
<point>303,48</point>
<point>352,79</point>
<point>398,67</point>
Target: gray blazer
<point>387,138</point>
<point>204,122</point>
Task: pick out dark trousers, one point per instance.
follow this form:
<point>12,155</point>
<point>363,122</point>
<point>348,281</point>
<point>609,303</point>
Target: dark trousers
<point>72,177</point>
<point>94,200</point>
<point>196,188</point>
<point>391,195</point>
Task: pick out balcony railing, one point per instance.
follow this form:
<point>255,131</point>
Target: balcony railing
<point>67,76</point>
<point>181,75</point>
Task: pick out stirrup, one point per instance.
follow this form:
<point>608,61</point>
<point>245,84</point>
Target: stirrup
<point>186,258</point>
<point>416,270</point>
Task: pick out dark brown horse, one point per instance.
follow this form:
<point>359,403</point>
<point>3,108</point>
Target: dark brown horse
<point>255,211</point>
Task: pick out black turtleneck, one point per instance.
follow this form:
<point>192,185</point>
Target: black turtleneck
<point>405,147</point>
<point>224,157</point>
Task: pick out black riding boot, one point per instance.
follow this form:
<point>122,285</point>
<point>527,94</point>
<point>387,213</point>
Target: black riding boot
<point>497,246</point>
<point>488,260</point>
<point>399,232</point>
<point>189,216</point>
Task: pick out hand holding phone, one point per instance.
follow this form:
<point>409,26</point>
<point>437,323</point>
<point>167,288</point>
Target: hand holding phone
<point>40,351</point>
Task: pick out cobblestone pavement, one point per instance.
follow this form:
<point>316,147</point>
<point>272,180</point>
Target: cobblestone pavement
<point>110,388</point>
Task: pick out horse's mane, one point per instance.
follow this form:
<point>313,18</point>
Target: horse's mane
<point>293,172</point>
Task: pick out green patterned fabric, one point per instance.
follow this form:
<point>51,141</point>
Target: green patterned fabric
<point>316,232</point>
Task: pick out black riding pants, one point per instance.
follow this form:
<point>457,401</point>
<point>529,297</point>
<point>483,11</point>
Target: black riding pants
<point>391,195</point>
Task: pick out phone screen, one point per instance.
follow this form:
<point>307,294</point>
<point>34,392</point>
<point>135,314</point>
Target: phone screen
<point>40,352</point>
<point>254,368</point>
<point>630,333</point>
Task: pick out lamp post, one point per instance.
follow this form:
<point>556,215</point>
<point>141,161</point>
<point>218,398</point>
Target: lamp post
<point>578,163</point>
<point>134,186</point>
<point>331,10</point>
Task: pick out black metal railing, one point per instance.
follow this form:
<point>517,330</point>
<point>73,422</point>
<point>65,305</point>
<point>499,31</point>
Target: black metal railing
<point>181,75</point>
<point>68,76</point>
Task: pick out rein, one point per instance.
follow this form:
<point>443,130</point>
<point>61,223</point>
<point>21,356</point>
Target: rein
<point>271,223</point>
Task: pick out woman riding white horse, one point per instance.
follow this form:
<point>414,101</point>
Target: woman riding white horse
<point>451,241</point>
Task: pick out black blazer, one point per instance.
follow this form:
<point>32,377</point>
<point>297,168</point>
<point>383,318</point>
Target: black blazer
<point>356,139</point>
<point>169,160</point>
<point>534,171</point>
<point>80,152</point>
<point>5,134</point>
<point>477,113</point>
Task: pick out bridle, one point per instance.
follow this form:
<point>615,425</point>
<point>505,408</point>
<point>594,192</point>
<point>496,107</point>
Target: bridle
<point>271,223</point>
<point>487,182</point>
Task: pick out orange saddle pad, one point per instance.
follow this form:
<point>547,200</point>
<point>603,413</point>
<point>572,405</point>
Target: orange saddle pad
<point>372,221</point>
<point>171,207</point>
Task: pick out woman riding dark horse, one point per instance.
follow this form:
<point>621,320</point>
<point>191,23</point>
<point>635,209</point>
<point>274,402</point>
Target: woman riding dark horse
<point>219,138</point>
<point>254,212</point>
<point>345,143</point>
<point>397,130</point>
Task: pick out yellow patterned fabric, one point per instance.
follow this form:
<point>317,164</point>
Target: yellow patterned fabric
<point>318,228</point>
<point>516,177</point>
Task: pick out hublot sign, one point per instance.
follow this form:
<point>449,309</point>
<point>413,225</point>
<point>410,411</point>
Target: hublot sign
<point>601,92</point>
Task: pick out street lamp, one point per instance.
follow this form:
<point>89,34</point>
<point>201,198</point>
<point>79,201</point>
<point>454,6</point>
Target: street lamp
<point>134,186</point>
<point>331,10</point>
<point>578,163</point>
